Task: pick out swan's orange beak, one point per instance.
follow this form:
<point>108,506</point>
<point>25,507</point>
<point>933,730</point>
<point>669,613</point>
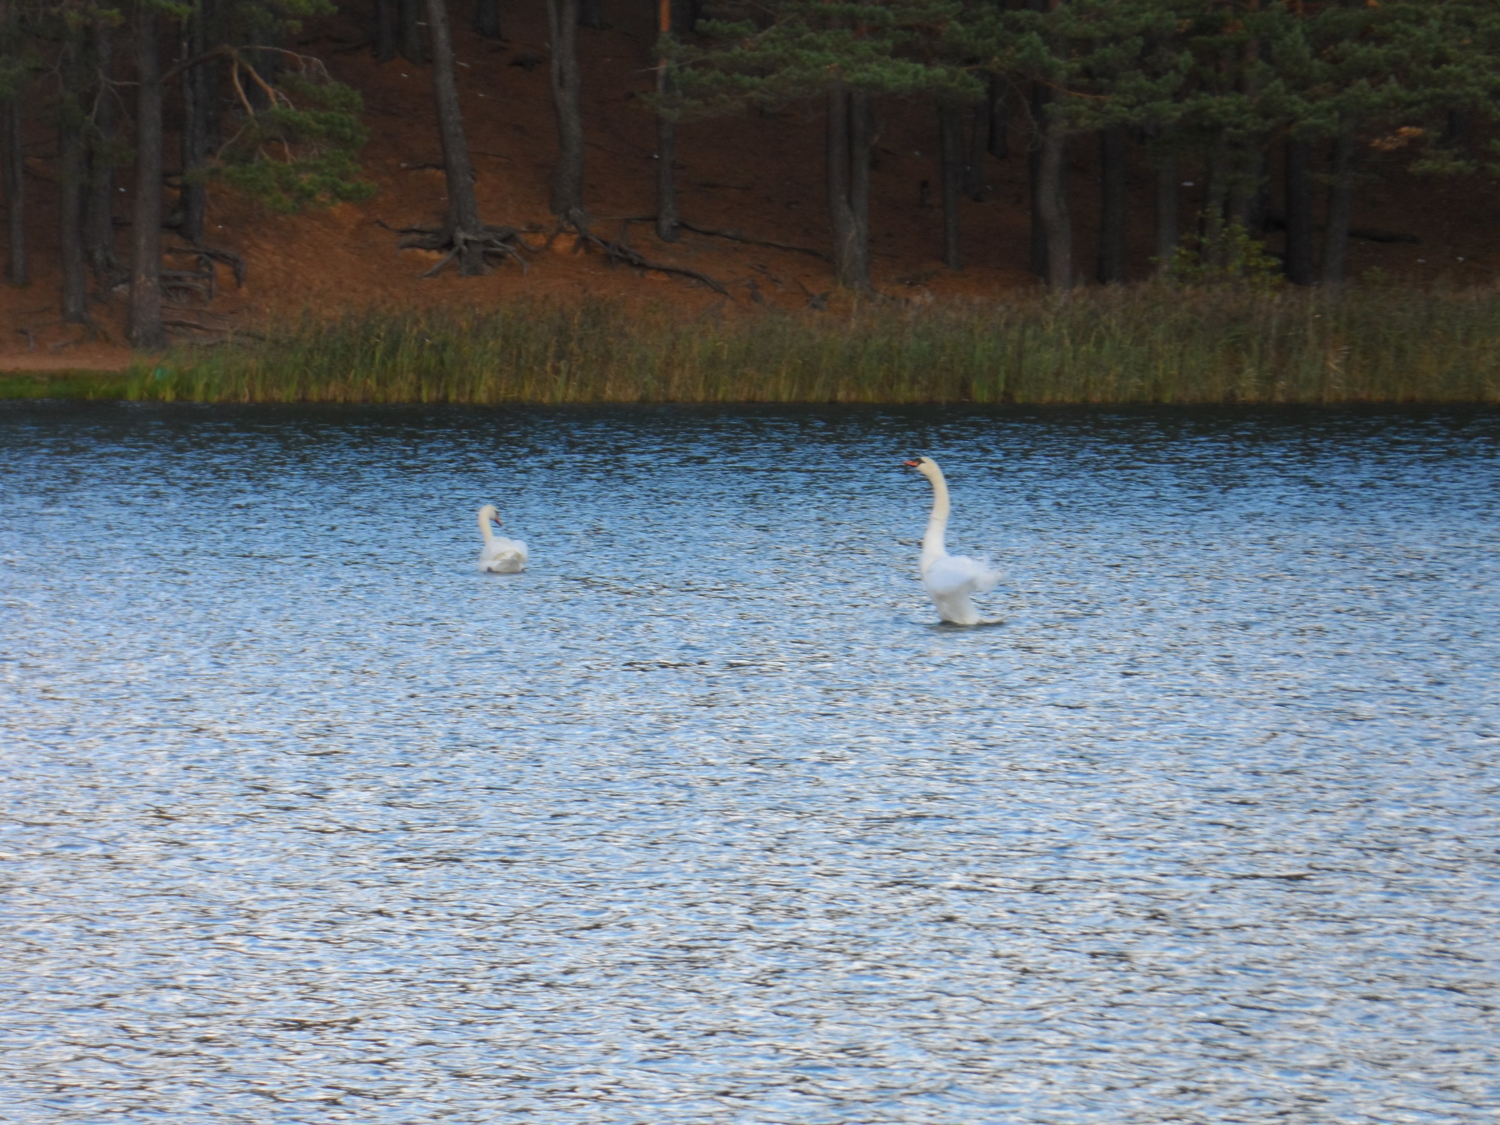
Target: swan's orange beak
<point>912,464</point>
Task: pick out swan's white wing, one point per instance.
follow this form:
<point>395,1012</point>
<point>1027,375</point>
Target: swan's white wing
<point>503,556</point>
<point>955,575</point>
<point>951,580</point>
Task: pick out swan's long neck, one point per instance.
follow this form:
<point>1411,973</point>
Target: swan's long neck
<point>484,527</point>
<point>933,545</point>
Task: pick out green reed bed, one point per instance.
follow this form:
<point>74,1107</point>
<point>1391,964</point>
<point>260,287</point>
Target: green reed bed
<point>106,385</point>
<point>1137,345</point>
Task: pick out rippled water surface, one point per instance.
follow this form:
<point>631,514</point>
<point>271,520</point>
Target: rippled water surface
<point>704,817</point>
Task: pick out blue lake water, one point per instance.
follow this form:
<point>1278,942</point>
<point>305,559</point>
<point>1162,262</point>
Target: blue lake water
<point>705,817</point>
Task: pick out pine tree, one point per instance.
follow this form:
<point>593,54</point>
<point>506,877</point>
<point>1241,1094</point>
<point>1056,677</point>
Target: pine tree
<point>845,54</point>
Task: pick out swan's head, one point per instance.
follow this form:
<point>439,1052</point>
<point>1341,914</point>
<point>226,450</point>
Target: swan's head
<point>487,514</point>
<point>924,465</point>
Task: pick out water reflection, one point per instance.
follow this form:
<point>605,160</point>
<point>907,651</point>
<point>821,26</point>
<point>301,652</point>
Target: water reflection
<point>704,817</point>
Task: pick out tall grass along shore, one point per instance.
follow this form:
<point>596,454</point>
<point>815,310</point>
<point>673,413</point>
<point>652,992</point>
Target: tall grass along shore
<point>1149,344</point>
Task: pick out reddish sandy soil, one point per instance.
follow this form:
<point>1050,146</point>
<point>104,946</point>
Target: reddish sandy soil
<point>758,175</point>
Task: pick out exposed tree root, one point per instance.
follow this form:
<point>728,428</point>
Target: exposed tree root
<point>204,278</point>
<point>493,242</point>
<point>200,282</point>
<point>503,242</point>
<point>235,263</point>
<point>171,322</point>
<point>198,333</point>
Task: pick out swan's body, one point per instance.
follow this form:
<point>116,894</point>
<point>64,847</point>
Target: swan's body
<point>500,555</point>
<point>951,580</point>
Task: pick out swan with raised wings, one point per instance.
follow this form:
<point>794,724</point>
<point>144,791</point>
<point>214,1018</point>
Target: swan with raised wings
<point>499,555</point>
<point>951,580</point>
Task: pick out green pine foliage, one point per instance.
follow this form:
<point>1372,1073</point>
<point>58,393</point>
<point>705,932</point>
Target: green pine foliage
<point>297,132</point>
<point>773,52</point>
<point>1225,255</point>
<point>302,149</point>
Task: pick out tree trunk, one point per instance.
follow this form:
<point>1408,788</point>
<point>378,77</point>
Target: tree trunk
<point>591,15</point>
<point>384,38</point>
<point>837,154</point>
<point>1215,205</point>
<point>951,146</point>
<point>861,157</point>
<point>567,177</point>
<point>1340,205</point>
<point>1112,141</point>
<point>197,98</point>
<point>463,224</point>
<point>17,268</point>
<point>1299,225</point>
<point>1040,96</point>
<point>1168,228</point>
<point>979,134</point>
<point>1052,203</point>
<point>997,141</point>
<point>268,63</point>
<point>99,209</point>
<point>409,31</point>
<point>145,327</point>
<point>1244,208</point>
<point>668,222</point>
<point>70,179</point>
<point>487,18</point>
<point>1458,133</point>
<point>850,134</point>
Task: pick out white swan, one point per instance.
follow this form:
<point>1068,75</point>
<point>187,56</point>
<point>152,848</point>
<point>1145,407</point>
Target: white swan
<point>950,579</point>
<point>500,555</point>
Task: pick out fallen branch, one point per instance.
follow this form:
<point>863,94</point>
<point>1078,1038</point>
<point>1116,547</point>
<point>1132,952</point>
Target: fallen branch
<point>817,301</point>
<point>618,251</point>
<point>214,335</point>
<point>1375,234</point>
<point>736,236</point>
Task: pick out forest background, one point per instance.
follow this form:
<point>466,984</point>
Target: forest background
<point>211,171</point>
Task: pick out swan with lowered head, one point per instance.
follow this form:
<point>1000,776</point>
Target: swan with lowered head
<point>500,555</point>
<point>951,580</point>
